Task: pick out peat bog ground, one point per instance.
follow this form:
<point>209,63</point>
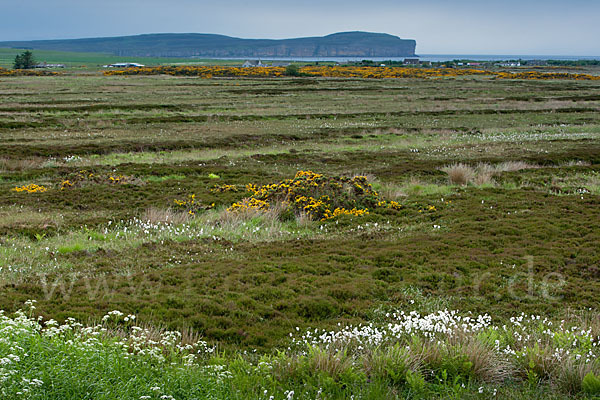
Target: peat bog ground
<point>114,195</point>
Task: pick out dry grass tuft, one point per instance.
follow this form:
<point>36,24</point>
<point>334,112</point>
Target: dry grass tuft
<point>459,174</point>
<point>568,375</point>
<point>511,166</point>
<point>9,164</point>
<point>487,365</point>
<point>229,219</point>
<point>269,220</point>
<point>576,163</point>
<point>232,218</point>
<point>484,174</point>
<point>303,220</point>
<point>165,216</point>
<point>393,192</point>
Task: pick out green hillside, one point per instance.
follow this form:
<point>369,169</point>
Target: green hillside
<point>94,60</point>
<point>346,44</point>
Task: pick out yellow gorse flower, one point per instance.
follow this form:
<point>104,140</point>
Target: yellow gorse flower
<point>224,188</point>
<point>369,72</point>
<point>31,188</point>
<point>313,194</point>
<point>65,184</point>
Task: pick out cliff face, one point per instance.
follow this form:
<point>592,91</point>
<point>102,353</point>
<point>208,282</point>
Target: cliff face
<point>347,44</point>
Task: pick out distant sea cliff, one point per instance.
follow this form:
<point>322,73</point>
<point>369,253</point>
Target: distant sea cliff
<point>345,44</point>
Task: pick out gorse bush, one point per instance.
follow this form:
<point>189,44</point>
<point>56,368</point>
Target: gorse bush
<point>31,188</point>
<point>315,195</point>
<point>341,72</point>
<point>27,72</point>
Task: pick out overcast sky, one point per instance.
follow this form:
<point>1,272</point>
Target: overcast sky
<point>548,27</point>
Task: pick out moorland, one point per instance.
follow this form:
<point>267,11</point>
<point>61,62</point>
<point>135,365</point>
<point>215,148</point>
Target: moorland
<point>145,196</point>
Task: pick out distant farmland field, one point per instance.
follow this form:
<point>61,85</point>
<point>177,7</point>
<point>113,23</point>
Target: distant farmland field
<point>247,212</point>
<point>91,61</point>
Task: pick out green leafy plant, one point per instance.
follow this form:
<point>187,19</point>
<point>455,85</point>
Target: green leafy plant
<point>40,236</point>
<point>591,384</point>
<point>532,376</point>
<point>415,381</point>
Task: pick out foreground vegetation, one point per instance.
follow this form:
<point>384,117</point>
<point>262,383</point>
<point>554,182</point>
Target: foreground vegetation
<point>441,354</point>
<point>168,198</point>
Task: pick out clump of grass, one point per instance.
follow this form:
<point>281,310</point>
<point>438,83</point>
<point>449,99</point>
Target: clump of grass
<point>390,191</point>
<point>71,248</point>
<point>20,164</point>
<point>570,376</point>
<point>483,173</point>
<point>459,173</point>
<point>576,163</point>
<point>391,363</point>
<point>511,166</point>
<point>333,363</point>
<point>154,178</point>
<point>165,215</point>
<point>303,220</point>
<point>486,364</point>
<point>268,219</point>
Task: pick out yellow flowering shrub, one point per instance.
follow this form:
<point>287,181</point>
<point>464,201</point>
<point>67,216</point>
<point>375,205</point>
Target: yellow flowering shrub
<point>191,205</point>
<point>31,188</point>
<point>390,204</point>
<point>66,184</point>
<point>224,188</point>
<point>85,177</point>
<point>429,208</point>
<point>315,195</point>
<point>26,72</point>
<point>249,204</point>
<point>367,72</point>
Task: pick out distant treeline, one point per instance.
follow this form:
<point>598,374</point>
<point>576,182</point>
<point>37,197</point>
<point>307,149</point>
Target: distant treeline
<point>566,63</point>
<point>577,63</point>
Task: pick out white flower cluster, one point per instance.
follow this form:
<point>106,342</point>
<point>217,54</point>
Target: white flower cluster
<point>11,354</point>
<point>116,332</point>
<point>402,325</point>
<point>218,373</point>
<point>516,340</point>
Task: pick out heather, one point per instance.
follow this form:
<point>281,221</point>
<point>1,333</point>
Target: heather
<point>311,237</point>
